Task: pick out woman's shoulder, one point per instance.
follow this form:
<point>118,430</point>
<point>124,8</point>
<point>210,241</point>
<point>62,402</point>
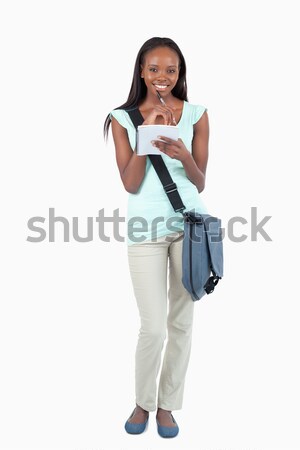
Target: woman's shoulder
<point>117,113</point>
<point>122,116</point>
<point>195,110</point>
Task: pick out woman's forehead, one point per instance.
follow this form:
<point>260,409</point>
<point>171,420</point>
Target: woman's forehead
<point>161,55</point>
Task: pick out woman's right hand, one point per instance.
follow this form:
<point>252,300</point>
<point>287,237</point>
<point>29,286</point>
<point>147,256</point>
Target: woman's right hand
<point>164,111</point>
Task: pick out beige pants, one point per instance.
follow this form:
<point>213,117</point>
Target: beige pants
<point>148,265</point>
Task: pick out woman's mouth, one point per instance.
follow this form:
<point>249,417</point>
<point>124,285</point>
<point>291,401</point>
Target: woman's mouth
<point>161,87</point>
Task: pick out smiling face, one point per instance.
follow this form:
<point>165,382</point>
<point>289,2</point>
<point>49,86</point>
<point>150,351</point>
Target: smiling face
<point>160,70</point>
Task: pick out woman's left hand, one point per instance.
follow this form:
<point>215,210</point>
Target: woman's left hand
<point>174,149</point>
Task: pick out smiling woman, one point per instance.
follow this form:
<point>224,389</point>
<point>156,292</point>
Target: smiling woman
<point>158,95</point>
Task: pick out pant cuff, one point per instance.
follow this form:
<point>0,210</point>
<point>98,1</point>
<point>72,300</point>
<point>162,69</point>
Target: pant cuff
<point>146,407</point>
<point>169,407</point>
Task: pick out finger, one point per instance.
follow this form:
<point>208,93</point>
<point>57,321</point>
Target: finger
<point>160,145</point>
<point>163,146</point>
<point>163,108</point>
<point>168,140</point>
<point>168,117</point>
<point>166,107</point>
<point>165,113</point>
<point>172,117</point>
<point>170,111</point>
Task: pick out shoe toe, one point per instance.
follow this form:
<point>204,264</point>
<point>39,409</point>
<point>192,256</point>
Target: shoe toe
<point>167,432</point>
<point>135,428</point>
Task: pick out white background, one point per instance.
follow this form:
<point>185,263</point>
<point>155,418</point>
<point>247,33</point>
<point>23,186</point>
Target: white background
<point>68,322</point>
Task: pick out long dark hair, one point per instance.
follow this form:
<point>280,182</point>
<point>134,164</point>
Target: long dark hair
<point>138,88</point>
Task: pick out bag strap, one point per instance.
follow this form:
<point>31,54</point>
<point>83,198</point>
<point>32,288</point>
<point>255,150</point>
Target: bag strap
<point>160,167</point>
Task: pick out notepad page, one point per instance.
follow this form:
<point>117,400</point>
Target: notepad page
<point>148,133</point>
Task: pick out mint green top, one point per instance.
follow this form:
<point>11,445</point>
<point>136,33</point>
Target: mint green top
<point>149,211</point>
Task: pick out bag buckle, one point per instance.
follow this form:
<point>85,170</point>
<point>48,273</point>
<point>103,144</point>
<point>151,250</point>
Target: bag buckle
<point>211,283</point>
<point>180,210</point>
<point>170,188</point>
<point>192,218</point>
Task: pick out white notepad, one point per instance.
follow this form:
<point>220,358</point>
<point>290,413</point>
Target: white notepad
<point>148,133</point>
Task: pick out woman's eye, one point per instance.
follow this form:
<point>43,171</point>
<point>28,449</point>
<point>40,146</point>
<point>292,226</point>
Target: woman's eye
<point>153,69</point>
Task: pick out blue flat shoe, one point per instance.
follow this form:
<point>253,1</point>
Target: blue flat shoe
<point>167,432</point>
<point>135,428</point>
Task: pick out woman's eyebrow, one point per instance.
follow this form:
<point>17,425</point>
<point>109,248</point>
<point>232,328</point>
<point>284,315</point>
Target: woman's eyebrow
<point>155,65</point>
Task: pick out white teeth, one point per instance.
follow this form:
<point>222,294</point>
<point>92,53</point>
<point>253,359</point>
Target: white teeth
<point>160,87</point>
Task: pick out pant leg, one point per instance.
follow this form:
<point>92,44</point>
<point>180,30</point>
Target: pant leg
<point>148,265</point>
<point>179,324</point>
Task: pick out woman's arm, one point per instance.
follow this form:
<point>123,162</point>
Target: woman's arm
<point>195,163</point>
<point>131,166</point>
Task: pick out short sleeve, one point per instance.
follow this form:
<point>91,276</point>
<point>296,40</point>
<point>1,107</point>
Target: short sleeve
<point>118,114</point>
<point>199,110</point>
<point>124,120</point>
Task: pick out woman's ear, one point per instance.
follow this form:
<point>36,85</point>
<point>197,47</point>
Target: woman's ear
<point>142,71</point>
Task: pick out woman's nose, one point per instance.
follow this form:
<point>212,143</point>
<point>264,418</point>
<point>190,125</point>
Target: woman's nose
<point>161,75</point>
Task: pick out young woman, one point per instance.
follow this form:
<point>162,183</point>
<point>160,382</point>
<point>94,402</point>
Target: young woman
<point>155,250</point>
